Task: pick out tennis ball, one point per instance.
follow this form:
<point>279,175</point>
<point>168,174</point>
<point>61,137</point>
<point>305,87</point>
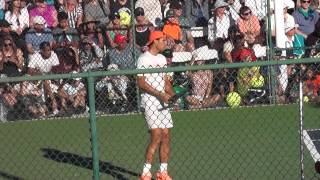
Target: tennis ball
<point>257,81</point>
<point>125,18</point>
<point>233,99</point>
<point>305,99</point>
<point>317,166</point>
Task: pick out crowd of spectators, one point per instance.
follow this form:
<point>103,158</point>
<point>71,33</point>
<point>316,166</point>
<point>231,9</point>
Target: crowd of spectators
<point>70,36</point>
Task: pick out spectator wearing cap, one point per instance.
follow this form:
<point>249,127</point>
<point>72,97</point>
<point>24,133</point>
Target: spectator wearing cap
<point>288,19</point>
<point>306,18</point>
<point>294,40</point>
<point>114,27</point>
<point>122,55</point>
<point>38,34</point>
<point>219,24</point>
<point>17,16</point>
<point>42,63</point>
<point>249,24</point>
<point>5,29</point>
<point>187,39</point>
<point>201,82</point>
<point>142,29</point>
<point>63,34</point>
<point>173,31</point>
<point>97,10</point>
<point>125,55</point>
<point>90,55</point>
<point>90,29</point>
<point>152,10</point>
<point>74,12</point>
<point>48,12</point>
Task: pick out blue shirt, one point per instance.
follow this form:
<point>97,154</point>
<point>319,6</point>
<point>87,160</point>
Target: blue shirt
<point>35,39</point>
<point>306,23</point>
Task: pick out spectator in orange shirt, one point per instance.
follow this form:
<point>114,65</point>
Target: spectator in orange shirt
<point>173,30</point>
<point>248,24</point>
<point>312,84</point>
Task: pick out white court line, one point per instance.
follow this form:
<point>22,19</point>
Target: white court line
<point>310,145</point>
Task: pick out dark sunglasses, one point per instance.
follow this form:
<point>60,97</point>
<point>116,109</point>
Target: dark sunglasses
<point>306,2</point>
<point>140,14</point>
<point>9,44</point>
<point>247,13</point>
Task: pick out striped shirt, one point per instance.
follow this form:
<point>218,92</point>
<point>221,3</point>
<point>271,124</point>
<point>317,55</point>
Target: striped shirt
<point>72,15</point>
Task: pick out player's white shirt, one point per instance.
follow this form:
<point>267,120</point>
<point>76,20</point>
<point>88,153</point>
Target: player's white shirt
<point>155,118</point>
<point>147,60</point>
<point>44,65</point>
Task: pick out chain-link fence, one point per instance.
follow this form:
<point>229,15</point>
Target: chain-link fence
<point>241,89</point>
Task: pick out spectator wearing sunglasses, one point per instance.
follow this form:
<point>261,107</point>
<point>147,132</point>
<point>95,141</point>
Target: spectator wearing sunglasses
<point>248,24</point>
<point>11,58</point>
<point>306,18</point>
<point>152,9</point>
<point>142,29</point>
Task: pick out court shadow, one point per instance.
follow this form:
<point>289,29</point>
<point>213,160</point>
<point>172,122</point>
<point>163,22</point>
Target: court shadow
<point>4,175</point>
<point>86,162</point>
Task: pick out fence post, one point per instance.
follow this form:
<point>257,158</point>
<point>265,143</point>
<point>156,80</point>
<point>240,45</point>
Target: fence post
<point>93,128</point>
<point>272,74</point>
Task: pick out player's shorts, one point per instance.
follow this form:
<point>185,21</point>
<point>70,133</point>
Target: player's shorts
<point>155,118</point>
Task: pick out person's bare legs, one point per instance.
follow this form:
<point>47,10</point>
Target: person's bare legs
<point>165,146</point>
<point>213,100</point>
<point>153,144</point>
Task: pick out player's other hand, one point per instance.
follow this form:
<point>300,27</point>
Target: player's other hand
<point>165,97</point>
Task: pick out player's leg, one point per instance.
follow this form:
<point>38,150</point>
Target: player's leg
<point>164,155</point>
<point>211,101</point>
<point>153,145</point>
<point>155,140</point>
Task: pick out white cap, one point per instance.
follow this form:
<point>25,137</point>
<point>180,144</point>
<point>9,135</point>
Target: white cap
<point>290,26</point>
<point>181,57</point>
<point>39,20</point>
<point>204,53</point>
<point>288,4</point>
<point>259,51</point>
<point>220,3</point>
<point>113,67</point>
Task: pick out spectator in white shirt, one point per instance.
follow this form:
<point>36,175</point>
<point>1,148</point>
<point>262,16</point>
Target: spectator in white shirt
<point>219,24</point>
<point>17,16</point>
<point>41,63</point>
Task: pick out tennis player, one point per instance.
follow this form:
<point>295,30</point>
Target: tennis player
<point>156,90</point>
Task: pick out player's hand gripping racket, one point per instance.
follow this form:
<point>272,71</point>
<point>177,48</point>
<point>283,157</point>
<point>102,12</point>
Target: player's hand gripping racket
<point>173,100</point>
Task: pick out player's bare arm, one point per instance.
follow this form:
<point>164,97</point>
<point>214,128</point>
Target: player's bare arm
<point>145,87</point>
<point>168,86</point>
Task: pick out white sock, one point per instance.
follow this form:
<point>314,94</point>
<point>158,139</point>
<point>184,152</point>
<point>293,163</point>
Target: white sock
<point>163,167</point>
<point>146,168</point>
